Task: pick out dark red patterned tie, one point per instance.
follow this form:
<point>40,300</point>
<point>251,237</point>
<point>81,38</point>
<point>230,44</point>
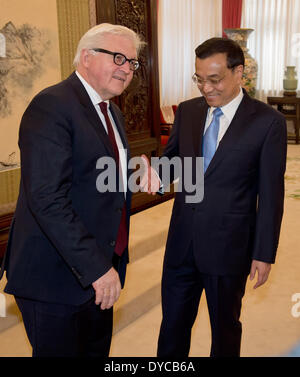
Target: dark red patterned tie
<point>122,237</point>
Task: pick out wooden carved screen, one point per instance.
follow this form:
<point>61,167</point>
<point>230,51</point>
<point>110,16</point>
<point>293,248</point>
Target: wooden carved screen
<point>140,102</point>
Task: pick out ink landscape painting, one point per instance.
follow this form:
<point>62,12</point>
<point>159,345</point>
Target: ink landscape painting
<point>29,61</point>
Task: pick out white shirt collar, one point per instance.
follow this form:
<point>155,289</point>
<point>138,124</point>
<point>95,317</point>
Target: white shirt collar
<point>230,109</point>
<point>94,96</point>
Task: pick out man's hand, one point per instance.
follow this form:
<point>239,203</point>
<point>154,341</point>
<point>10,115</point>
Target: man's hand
<point>150,181</point>
<point>107,289</point>
<point>263,269</point>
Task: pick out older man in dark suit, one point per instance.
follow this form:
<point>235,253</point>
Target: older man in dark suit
<point>67,252</point>
<point>214,244</point>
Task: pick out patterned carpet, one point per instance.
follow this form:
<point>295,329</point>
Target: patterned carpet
<point>292,190</point>
<point>292,176</point>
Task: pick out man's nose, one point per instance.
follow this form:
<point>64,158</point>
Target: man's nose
<point>206,89</point>
<point>126,68</point>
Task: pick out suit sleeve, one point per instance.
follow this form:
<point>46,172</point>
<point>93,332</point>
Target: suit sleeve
<point>270,192</point>
<point>45,142</point>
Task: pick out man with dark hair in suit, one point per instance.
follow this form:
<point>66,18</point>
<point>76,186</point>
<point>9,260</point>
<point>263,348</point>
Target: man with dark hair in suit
<point>214,244</point>
<point>67,251</point>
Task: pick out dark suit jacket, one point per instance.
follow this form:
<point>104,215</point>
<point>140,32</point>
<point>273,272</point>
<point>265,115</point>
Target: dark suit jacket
<point>63,233</point>
<point>240,216</point>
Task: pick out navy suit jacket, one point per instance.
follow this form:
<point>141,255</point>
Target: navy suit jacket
<point>64,230</point>
<point>239,218</point>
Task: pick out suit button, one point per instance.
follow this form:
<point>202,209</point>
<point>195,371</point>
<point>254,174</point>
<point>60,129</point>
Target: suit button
<point>119,210</point>
<point>112,243</point>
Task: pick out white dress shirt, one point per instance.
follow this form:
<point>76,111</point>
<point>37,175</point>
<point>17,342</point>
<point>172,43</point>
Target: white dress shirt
<point>96,99</point>
<point>229,111</point>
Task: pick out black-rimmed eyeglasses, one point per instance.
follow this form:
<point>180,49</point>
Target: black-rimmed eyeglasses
<point>212,82</point>
<point>120,59</point>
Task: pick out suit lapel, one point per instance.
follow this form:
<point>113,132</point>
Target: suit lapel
<point>90,112</point>
<point>233,133</point>
<point>198,123</point>
<point>121,129</point>
<point>119,123</point>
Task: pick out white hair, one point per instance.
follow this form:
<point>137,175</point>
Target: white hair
<point>95,35</point>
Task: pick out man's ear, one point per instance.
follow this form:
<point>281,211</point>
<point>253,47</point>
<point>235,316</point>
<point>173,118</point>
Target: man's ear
<point>85,57</point>
<point>240,70</point>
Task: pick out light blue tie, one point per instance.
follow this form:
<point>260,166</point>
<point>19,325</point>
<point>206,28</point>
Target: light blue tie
<point>210,138</point>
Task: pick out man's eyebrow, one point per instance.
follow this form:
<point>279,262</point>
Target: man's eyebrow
<point>212,76</point>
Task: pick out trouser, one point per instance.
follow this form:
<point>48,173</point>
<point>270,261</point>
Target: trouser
<point>181,292</point>
<point>56,330</point>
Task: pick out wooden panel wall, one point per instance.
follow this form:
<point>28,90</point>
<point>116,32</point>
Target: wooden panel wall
<point>140,102</point>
